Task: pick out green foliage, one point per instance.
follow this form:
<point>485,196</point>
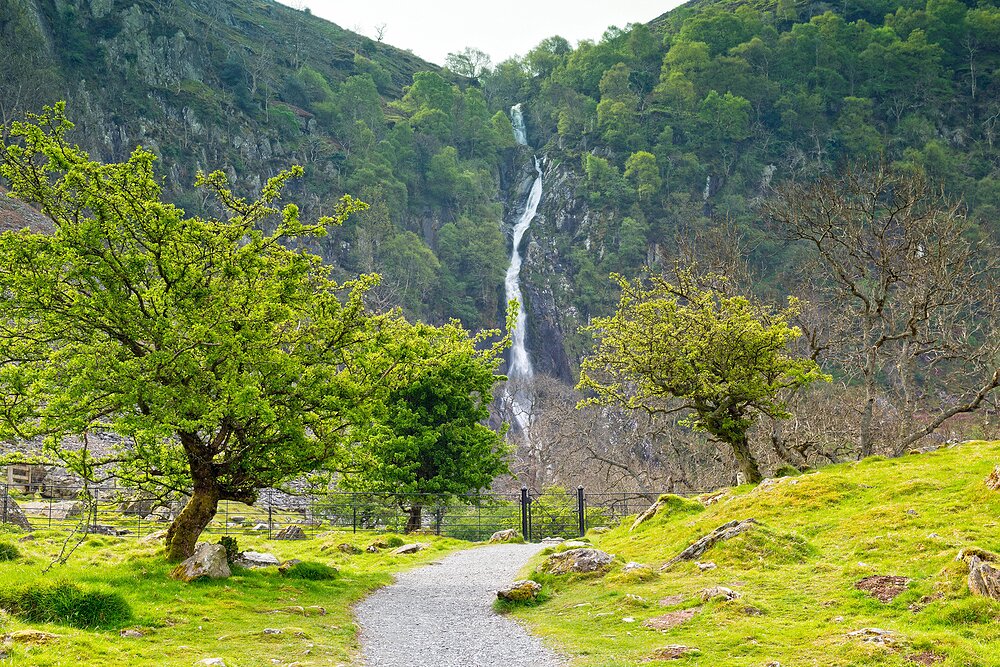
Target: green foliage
<point>232,548</point>
<point>310,571</point>
<point>66,604</point>
<point>228,361</point>
<point>686,346</point>
<point>9,551</point>
<point>429,436</point>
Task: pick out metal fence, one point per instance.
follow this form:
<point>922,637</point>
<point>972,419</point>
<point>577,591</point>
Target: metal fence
<point>537,515</point>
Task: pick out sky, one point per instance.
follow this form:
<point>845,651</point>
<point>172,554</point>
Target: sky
<point>502,29</point>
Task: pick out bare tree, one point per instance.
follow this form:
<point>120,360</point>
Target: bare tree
<point>380,31</point>
<point>907,302</point>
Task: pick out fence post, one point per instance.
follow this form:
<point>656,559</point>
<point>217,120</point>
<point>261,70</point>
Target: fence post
<point>581,510</point>
<point>270,515</point>
<point>6,494</point>
<point>525,528</point>
<point>354,512</point>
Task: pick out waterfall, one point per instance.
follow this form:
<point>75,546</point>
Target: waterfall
<point>519,370</point>
<point>517,120</point>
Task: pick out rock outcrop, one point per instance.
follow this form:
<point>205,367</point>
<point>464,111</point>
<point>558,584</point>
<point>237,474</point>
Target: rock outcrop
<point>256,560</point>
<point>12,513</point>
<point>410,548</point>
<point>578,561</point>
<point>724,532</point>
<point>993,479</point>
<point>520,591</point>
<point>208,561</point>
<point>293,532</point>
<point>509,535</point>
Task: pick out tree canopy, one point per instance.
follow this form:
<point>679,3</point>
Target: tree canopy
<point>688,346</point>
<point>226,360</point>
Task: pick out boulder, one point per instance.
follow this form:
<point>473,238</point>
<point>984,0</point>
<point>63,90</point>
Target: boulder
<point>874,636</point>
<point>578,560</point>
<point>348,548</point>
<point>30,637</point>
<point>372,549</point>
<point>719,593</point>
<point>108,530</point>
<point>724,532</point>
<point>520,591</point>
<point>211,662</point>
<point>158,536</point>
<point>56,510</point>
<point>208,561</point>
<point>410,548</point>
<point>509,535</point>
<point>984,579</point>
<point>130,633</point>
<point>138,505</point>
<point>254,560</point>
<point>704,567</point>
<point>12,513</point>
<point>993,480</point>
<point>293,532</point>
<point>259,527</point>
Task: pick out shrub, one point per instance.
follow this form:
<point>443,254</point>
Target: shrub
<point>232,548</point>
<point>310,571</point>
<point>67,604</point>
<point>787,471</point>
<point>9,552</point>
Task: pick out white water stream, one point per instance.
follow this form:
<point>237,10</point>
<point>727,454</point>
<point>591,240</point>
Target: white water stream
<point>520,370</point>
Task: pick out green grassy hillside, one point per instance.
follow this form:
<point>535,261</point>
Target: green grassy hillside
<point>819,535</point>
<point>184,623</point>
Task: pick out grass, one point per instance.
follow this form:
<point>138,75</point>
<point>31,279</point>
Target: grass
<point>820,534</point>
<point>184,623</point>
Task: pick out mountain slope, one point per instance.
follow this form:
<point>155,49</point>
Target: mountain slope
<point>797,573</point>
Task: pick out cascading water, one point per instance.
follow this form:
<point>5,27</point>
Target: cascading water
<point>520,370</point>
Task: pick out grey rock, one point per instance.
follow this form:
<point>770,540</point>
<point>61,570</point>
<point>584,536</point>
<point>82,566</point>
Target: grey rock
<point>509,535</point>
<point>578,560</point>
<point>724,532</point>
<point>984,579</point>
<point>211,662</point>
<point>993,480</point>
<point>12,513</point>
<point>255,560</point>
<point>410,548</point>
<point>520,591</point>
<point>719,593</point>
<point>208,561</point>
<point>293,532</point>
<point>348,548</point>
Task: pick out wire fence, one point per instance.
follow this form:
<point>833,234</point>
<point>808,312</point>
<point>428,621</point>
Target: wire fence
<point>129,513</point>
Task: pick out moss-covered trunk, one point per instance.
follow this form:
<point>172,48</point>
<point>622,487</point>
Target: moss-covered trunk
<point>184,532</point>
<point>745,459</point>
<point>415,520</point>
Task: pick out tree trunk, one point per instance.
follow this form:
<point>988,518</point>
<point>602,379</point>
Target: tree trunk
<point>744,457</point>
<point>183,534</point>
<point>868,415</point>
<point>415,520</point>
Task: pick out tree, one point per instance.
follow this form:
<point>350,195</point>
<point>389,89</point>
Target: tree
<point>226,361</point>
<point>469,62</point>
<point>429,440</point>
<point>908,300</point>
<point>641,171</point>
<point>687,347</point>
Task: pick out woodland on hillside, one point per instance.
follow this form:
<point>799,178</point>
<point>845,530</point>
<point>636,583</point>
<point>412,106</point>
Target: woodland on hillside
<point>720,134</point>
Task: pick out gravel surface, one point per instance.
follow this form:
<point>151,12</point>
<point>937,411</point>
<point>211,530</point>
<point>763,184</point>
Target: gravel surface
<point>441,615</point>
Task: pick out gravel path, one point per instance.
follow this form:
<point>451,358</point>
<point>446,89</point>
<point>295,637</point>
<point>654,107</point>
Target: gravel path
<point>441,615</point>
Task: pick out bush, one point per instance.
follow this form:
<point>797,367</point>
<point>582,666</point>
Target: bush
<point>9,552</point>
<point>66,604</point>
<point>310,571</point>
<point>787,471</point>
<point>232,548</point>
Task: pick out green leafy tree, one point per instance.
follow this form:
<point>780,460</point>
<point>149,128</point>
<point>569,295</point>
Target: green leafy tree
<point>225,360</point>
<point>686,347</point>
<point>641,171</point>
<point>430,440</point>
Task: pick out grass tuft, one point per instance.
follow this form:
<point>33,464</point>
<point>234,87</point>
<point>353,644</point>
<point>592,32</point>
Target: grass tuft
<point>310,571</point>
<point>66,604</point>
<point>9,552</point>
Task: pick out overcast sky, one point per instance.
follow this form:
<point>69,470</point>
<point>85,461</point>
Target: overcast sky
<point>502,28</point>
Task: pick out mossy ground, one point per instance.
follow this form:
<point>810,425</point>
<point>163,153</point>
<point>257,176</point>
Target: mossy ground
<point>183,623</point>
<point>820,534</point>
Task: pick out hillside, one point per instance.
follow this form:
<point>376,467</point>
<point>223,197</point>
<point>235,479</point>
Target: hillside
<point>797,572</point>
